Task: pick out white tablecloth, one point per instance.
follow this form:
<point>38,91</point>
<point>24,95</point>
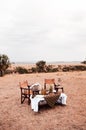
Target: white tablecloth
<point>35,101</point>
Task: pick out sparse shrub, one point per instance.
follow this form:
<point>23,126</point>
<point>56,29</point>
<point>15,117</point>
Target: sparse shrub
<point>84,62</point>
<point>49,68</point>
<point>33,69</point>
<point>80,67</point>
<point>21,70</point>
<point>65,68</point>
<point>74,68</point>
<point>8,71</point>
<point>54,69</point>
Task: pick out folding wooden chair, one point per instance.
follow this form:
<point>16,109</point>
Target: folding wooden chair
<point>51,82</point>
<point>25,91</point>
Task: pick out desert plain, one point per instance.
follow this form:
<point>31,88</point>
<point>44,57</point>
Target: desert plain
<point>17,116</point>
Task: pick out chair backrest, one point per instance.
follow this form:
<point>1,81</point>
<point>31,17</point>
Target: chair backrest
<point>23,84</point>
<point>48,83</point>
<point>25,91</point>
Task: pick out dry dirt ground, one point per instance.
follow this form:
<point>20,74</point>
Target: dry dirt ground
<point>17,116</point>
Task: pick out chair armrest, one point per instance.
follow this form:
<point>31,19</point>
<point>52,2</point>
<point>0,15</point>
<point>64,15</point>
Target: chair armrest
<point>58,87</point>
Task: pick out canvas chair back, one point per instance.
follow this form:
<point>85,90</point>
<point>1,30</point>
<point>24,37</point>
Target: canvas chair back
<point>48,83</point>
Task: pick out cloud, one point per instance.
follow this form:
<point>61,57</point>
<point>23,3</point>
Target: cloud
<point>51,30</point>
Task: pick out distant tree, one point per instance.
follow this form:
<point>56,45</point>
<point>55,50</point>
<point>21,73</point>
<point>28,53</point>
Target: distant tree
<point>40,66</point>
<point>4,64</point>
<point>84,62</point>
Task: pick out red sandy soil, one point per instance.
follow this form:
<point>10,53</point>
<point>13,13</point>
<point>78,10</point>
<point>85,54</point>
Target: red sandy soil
<point>17,116</point>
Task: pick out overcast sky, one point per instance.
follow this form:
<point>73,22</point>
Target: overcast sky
<point>50,30</point>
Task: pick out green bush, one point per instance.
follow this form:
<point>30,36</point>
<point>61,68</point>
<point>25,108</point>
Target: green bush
<point>21,70</point>
<point>65,68</point>
<point>9,71</point>
<point>49,68</point>
<point>84,62</point>
<point>41,66</point>
<point>74,68</point>
<point>33,69</point>
<point>80,67</point>
<point>54,69</point>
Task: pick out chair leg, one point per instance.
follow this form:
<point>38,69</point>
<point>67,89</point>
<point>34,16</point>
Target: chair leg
<point>62,89</point>
<point>22,97</point>
<point>28,101</point>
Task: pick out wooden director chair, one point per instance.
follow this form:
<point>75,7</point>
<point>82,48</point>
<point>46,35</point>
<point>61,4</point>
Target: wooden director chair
<point>25,91</point>
<point>51,82</point>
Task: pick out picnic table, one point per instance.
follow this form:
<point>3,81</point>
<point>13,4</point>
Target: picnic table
<point>50,100</point>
